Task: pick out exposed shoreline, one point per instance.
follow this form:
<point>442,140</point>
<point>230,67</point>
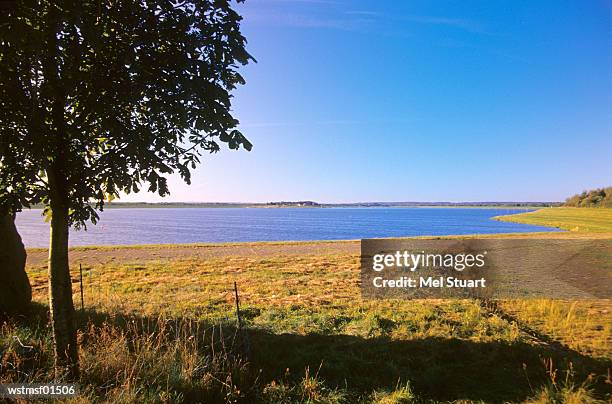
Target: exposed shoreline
<point>37,257</point>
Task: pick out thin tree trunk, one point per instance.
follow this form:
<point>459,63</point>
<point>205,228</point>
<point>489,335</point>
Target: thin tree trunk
<point>60,284</point>
<point>60,297</point>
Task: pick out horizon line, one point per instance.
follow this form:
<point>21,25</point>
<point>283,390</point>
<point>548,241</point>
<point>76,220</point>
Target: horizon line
<point>326,203</point>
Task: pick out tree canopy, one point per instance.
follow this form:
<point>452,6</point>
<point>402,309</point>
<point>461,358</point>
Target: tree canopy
<point>120,93</point>
<point>103,97</point>
<point>601,197</point>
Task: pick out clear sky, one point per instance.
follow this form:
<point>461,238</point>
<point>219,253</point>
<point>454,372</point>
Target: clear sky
<point>418,101</point>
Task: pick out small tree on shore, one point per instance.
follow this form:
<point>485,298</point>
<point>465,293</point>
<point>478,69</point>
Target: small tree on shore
<point>102,97</point>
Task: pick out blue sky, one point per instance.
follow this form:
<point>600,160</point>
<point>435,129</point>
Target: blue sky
<point>418,101</point>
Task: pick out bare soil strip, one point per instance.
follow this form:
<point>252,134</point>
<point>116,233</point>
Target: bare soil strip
<point>37,257</point>
<point>168,252</point>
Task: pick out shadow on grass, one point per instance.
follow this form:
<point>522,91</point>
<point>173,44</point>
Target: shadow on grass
<point>437,368</point>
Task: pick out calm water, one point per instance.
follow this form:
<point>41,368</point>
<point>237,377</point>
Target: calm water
<point>191,225</point>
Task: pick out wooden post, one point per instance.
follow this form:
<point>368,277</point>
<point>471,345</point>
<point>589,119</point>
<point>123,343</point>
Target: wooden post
<point>237,305</point>
<point>82,299</point>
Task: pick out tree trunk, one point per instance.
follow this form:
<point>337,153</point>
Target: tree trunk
<point>60,297</point>
<point>15,290</point>
<point>60,284</point>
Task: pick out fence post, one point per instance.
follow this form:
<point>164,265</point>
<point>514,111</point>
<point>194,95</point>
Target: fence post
<point>82,299</point>
<point>237,305</point>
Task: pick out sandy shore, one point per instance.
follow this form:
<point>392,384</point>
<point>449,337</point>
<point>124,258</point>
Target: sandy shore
<point>167,252</point>
<point>37,257</point>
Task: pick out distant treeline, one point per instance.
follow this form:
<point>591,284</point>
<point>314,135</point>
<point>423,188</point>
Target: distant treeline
<point>312,204</point>
<point>596,198</point>
<point>294,204</point>
<point>508,204</point>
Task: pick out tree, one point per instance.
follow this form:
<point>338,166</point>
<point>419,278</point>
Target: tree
<point>102,97</point>
<point>600,197</point>
<point>15,289</point>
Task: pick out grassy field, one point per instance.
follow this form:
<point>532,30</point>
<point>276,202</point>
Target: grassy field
<point>160,325</point>
<point>592,220</point>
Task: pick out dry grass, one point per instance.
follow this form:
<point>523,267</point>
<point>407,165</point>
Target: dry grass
<point>318,285</point>
<point>305,312</point>
<point>160,326</point>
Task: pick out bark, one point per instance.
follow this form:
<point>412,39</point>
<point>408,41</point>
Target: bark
<point>60,297</point>
<point>15,290</point>
<point>60,282</point>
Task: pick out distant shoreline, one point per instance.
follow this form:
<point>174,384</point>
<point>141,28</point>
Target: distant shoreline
<point>315,205</point>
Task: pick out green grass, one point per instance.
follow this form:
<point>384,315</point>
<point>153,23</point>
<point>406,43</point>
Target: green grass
<point>164,330</point>
<point>596,220</point>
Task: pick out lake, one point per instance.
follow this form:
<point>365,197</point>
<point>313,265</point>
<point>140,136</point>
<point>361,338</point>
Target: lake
<point>197,225</point>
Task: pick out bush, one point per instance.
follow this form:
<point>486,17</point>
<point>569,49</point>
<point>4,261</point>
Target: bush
<point>601,197</point>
